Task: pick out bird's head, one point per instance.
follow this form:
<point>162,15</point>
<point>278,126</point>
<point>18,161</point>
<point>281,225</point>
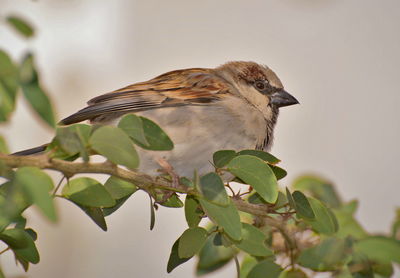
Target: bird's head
<point>258,84</point>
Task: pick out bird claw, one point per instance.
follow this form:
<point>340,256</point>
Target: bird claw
<point>168,169</point>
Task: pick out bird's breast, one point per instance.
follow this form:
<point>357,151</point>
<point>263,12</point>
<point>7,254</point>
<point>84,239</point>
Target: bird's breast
<point>198,131</point>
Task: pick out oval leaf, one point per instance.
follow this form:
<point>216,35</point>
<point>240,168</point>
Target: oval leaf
<point>96,214</point>
<point>71,140</point>
<point>320,189</point>
<point>87,192</point>
<point>303,207</point>
<point>256,173</point>
<point>191,241</point>
<point>21,26</point>
<point>154,137</point>
<point>193,212</point>
<point>221,158</point>
<point>379,248</point>
<point>263,268</point>
<point>225,217</point>
<point>213,257</point>
<point>172,202</point>
<point>33,92</point>
<point>174,260</point>
<point>267,157</point>
<point>29,252</point>
<point>133,126</point>
<point>114,144</point>
<point>15,238</point>
<point>118,203</point>
<point>119,188</point>
<point>279,172</point>
<point>325,221</point>
<point>290,199</point>
<point>213,189</point>
<point>253,241</point>
<point>37,185</point>
<point>325,256</point>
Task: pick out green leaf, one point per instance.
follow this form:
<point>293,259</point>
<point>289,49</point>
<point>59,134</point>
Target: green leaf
<point>39,102</point>
<point>8,86</point>
<point>37,185</point>
<point>278,172</point>
<point>325,221</point>
<point>247,265</point>
<point>225,217</point>
<point>290,199</point>
<point>213,189</point>
<point>319,189</point>
<point>118,203</point>
<point>384,270</point>
<point>114,144</point>
<point>172,202</point>
<point>191,241</point>
<point>267,157</point>
<point>29,252</point>
<point>221,158</point>
<point>281,201</point>
<point>213,257</point>
<point>15,238</point>
<point>133,126</point>
<point>13,201</point>
<point>293,273</point>
<point>255,198</point>
<point>256,173</point>
<point>263,268</point>
<point>253,241</point>
<point>303,207</point>
<point>379,248</point>
<point>186,182</point>
<point>152,214</point>
<point>325,256</point>
<point>119,188</point>
<point>193,212</point>
<point>21,26</point>
<point>174,259</point>
<point>348,225</point>
<point>87,192</point>
<point>156,138</point>
<point>396,225</point>
<point>32,233</point>
<point>96,214</point>
<point>3,145</point>
<point>33,92</point>
<point>7,105</point>
<point>73,140</point>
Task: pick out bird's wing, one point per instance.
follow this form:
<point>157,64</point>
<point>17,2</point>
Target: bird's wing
<point>175,88</point>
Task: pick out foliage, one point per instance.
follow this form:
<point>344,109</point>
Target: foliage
<point>296,232</point>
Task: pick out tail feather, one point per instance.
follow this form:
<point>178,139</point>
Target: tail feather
<point>32,151</point>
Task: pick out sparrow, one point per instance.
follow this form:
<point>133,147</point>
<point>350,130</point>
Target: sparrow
<point>234,106</point>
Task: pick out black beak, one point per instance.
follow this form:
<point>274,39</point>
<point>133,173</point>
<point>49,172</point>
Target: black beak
<point>282,98</point>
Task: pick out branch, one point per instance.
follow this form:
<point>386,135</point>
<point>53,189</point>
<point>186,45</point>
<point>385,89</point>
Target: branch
<point>141,180</point>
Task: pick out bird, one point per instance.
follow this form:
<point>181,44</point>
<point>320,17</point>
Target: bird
<point>234,106</point>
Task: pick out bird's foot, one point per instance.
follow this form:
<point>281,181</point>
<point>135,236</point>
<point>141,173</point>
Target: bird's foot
<point>168,169</point>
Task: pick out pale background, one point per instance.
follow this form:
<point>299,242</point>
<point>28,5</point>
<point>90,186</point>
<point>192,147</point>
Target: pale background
<point>339,58</point>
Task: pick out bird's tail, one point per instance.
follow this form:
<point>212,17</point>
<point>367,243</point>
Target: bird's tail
<point>32,151</point>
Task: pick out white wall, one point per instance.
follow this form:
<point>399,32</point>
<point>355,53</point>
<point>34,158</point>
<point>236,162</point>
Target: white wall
<point>339,58</point>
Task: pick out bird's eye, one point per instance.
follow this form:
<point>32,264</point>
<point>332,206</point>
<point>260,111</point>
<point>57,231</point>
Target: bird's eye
<point>260,85</point>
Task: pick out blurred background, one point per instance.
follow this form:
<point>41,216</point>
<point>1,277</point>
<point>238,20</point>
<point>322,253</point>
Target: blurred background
<point>340,58</point>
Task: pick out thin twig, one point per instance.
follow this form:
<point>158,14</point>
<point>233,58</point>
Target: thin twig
<point>58,186</point>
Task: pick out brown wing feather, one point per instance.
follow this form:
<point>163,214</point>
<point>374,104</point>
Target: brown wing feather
<point>175,88</point>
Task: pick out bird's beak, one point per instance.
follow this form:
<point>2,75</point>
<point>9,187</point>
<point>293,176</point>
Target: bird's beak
<point>282,98</point>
